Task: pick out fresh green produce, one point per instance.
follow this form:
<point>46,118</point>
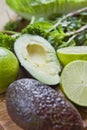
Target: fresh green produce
<point>35,106</point>
<point>38,28</point>
<point>69,54</point>
<point>38,57</point>
<point>12,25</point>
<point>16,25</point>
<point>45,8</point>
<point>68,30</point>
<point>74,82</point>
<point>7,41</point>
<point>9,68</point>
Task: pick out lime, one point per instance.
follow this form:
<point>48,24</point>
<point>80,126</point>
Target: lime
<point>73,81</point>
<point>9,68</point>
<point>69,54</point>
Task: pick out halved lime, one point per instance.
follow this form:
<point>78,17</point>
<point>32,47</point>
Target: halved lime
<point>73,82</point>
<point>69,54</point>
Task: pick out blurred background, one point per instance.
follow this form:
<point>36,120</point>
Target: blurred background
<point>6,14</point>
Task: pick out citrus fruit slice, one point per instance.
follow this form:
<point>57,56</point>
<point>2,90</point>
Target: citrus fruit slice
<point>73,82</point>
<point>69,54</point>
<point>9,68</point>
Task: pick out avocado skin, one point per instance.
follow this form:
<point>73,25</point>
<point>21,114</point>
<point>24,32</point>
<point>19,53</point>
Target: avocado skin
<point>35,106</point>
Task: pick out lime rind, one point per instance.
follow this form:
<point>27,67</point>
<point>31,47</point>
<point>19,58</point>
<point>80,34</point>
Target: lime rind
<point>9,68</point>
<point>69,54</point>
<point>74,50</point>
<point>73,82</point>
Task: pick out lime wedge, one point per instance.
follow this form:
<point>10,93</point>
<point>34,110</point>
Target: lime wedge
<point>73,82</point>
<point>69,54</point>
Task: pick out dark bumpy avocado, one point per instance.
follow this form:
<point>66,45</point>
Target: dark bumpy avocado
<point>35,106</point>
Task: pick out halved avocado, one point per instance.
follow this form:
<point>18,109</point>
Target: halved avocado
<point>38,57</point>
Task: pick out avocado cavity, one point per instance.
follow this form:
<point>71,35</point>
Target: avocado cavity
<point>38,57</point>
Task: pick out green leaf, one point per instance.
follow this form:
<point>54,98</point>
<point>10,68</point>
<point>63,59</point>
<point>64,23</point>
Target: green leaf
<point>12,25</point>
<point>38,28</point>
<point>45,8</point>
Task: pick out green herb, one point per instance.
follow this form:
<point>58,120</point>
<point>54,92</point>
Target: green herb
<point>38,28</point>
<point>12,25</point>
<point>69,30</point>
<point>7,41</point>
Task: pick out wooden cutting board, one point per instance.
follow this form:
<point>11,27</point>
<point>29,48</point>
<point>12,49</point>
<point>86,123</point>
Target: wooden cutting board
<point>5,122</point>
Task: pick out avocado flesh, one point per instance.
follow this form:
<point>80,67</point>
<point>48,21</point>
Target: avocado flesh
<point>39,58</point>
<point>35,106</point>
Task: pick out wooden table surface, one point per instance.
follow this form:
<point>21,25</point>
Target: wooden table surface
<point>5,122</point>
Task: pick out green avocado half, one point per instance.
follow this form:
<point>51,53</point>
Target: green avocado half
<point>38,57</point>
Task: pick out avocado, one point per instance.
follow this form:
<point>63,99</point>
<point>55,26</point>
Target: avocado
<point>38,57</point>
<point>35,106</point>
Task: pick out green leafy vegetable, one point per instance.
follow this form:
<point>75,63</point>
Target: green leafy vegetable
<point>12,25</point>
<point>68,30</point>
<point>45,8</point>
<point>16,25</point>
<point>38,28</point>
<point>7,41</point>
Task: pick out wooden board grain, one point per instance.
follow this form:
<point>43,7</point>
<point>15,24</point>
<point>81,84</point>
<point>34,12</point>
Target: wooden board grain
<point>5,121</point>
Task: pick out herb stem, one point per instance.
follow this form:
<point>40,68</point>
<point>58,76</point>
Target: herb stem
<point>76,12</point>
<point>9,32</point>
<point>77,31</point>
<point>32,20</point>
<point>71,38</point>
<point>56,25</point>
